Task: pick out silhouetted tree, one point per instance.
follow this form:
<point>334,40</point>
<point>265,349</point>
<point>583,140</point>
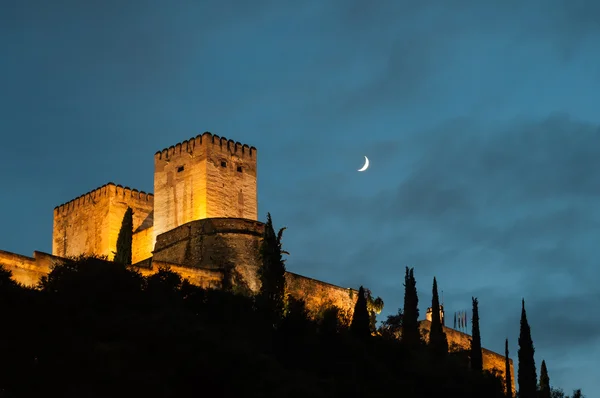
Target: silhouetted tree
<point>557,393</point>
<point>272,274</point>
<point>411,336</point>
<point>125,239</point>
<point>507,374</point>
<point>6,281</point>
<point>164,285</point>
<point>296,321</point>
<point>361,323</point>
<point>476,354</point>
<point>578,394</point>
<point>527,373</point>
<point>329,323</point>
<point>437,338</point>
<point>374,306</point>
<point>392,326</point>
<point>545,391</point>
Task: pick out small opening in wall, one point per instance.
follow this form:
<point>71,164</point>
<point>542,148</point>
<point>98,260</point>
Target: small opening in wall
<point>180,169</point>
<point>239,169</point>
<point>223,164</point>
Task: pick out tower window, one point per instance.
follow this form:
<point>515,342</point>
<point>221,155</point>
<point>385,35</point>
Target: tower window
<point>180,169</point>
<point>239,169</point>
<point>223,164</point>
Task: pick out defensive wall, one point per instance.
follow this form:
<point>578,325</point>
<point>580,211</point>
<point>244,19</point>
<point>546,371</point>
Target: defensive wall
<point>28,270</point>
<point>317,295</point>
<point>204,177</point>
<point>461,341</point>
<point>91,223</point>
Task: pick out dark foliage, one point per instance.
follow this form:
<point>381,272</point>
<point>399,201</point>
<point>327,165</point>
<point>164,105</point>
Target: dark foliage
<point>437,338</point>
<point>411,335</point>
<point>391,328</point>
<point>95,328</point>
<point>125,239</point>
<point>507,374</point>
<point>476,354</point>
<point>544,391</point>
<point>271,297</point>
<point>527,374</point>
<point>361,321</point>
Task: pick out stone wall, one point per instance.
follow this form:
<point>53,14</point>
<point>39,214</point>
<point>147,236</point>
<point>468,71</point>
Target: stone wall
<point>91,223</point>
<point>319,295</point>
<point>28,270</point>
<point>205,278</point>
<point>215,243</point>
<point>462,341</point>
<point>204,177</point>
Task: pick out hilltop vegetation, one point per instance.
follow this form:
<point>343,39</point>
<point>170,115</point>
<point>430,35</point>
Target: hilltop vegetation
<point>95,328</point>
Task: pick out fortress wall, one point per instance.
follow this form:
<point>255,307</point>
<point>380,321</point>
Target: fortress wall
<point>190,184</point>
<point>319,295</point>
<point>462,341</point>
<point>205,278</point>
<point>142,245</point>
<point>28,270</point>
<point>91,223</point>
<point>214,244</point>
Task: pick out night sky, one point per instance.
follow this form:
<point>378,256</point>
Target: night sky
<point>480,119</point>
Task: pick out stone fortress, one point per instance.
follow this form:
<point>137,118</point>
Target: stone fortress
<point>202,221</point>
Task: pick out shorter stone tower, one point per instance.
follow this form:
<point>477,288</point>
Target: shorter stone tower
<point>91,223</point>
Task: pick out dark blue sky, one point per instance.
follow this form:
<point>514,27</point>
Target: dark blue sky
<point>480,119</point>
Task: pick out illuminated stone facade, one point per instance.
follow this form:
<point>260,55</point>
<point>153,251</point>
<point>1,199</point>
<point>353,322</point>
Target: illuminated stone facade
<point>202,221</point>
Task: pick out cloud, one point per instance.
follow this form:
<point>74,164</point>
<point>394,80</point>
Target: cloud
<point>516,201</point>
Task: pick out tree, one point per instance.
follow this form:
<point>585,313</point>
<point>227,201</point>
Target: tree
<point>125,239</point>
<point>296,322</point>
<point>557,393</point>
<point>476,354</point>
<point>6,281</point>
<point>437,338</point>
<point>578,394</point>
<point>507,374</point>
<point>271,296</point>
<point>544,382</point>
<point>411,335</point>
<point>527,374</point>
<point>374,306</point>
<point>392,326</point>
<point>361,320</point>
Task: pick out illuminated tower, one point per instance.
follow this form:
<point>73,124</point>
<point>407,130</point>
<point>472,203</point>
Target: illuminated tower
<point>204,177</point>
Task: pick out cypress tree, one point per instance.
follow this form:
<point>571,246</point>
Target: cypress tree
<point>411,335</point>
<point>361,320</point>
<point>507,374</point>
<point>527,374</point>
<point>271,296</point>
<point>544,382</point>
<point>437,338</point>
<point>125,239</point>
<point>476,354</point>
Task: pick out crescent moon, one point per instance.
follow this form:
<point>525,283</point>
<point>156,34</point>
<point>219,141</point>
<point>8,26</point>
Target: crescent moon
<point>366,165</point>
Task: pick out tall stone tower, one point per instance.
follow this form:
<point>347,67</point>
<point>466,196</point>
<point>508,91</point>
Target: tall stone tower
<point>204,177</point>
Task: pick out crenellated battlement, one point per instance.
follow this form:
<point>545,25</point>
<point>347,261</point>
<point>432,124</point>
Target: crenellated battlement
<point>107,190</point>
<point>195,145</point>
